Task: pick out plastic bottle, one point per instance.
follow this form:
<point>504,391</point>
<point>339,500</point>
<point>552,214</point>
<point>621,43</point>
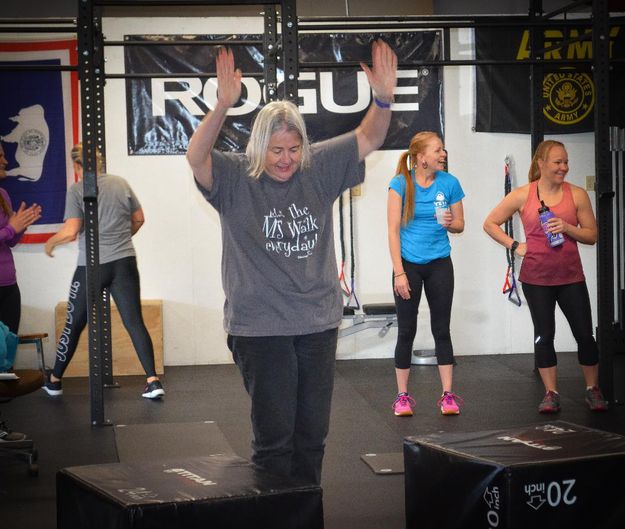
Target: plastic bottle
<point>544,214</point>
<point>440,208</point>
<point>440,215</point>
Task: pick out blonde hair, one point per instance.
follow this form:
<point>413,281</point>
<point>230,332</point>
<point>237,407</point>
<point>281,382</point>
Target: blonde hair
<point>418,144</point>
<point>542,153</point>
<point>77,157</point>
<point>273,117</point>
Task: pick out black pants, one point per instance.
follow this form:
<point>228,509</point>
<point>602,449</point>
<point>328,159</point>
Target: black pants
<point>121,277</point>
<point>574,302</point>
<point>290,381</point>
<point>11,307</point>
<point>437,278</point>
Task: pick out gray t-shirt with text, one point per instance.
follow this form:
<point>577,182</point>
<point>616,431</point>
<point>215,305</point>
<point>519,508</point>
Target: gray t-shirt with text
<point>116,204</point>
<point>278,264</point>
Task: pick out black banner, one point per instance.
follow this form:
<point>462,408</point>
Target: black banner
<point>568,92</point>
<point>163,112</point>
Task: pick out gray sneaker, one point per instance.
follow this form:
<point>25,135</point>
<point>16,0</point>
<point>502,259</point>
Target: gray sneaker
<point>550,403</point>
<point>153,390</point>
<point>595,400</point>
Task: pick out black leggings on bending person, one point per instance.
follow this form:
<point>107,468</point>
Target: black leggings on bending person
<point>121,277</point>
<point>437,279</point>
<point>574,301</point>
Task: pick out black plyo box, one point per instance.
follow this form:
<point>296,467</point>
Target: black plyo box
<point>216,492</point>
<point>551,475</point>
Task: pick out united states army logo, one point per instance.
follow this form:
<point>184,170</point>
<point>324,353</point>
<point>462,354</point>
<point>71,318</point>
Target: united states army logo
<point>569,97</point>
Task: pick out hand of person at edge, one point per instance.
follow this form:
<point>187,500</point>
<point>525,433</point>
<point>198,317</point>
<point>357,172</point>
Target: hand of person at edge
<point>402,286</point>
<point>228,79</point>
<point>24,217</point>
<point>382,76</point>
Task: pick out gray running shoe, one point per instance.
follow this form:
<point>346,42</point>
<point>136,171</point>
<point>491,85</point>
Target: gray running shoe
<point>595,400</point>
<point>550,403</point>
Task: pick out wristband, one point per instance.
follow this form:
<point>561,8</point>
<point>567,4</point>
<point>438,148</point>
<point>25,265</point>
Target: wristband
<point>399,275</point>
<point>381,104</point>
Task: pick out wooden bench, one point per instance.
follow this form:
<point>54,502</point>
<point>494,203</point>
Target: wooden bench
<point>125,360</point>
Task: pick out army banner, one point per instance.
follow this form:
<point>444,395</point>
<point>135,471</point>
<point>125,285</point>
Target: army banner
<point>568,96</point>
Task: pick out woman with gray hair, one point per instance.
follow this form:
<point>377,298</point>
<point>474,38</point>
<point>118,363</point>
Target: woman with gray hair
<point>283,301</point>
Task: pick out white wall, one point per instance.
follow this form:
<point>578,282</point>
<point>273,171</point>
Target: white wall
<point>179,247</point>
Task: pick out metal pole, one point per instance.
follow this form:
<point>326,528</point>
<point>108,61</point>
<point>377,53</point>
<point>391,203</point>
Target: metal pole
<point>536,77</point>
<point>90,72</point>
<point>290,55</point>
<point>604,199</point>
<point>270,52</point>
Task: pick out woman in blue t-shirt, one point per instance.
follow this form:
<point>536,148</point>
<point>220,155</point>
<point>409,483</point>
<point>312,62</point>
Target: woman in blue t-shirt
<point>424,203</point>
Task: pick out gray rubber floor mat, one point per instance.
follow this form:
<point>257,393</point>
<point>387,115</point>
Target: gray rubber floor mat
<point>154,442</point>
<point>391,463</point>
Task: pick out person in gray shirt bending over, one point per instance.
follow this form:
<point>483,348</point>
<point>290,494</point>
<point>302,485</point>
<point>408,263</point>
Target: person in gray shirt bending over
<point>283,301</point>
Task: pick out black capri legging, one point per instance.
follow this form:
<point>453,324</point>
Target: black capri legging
<point>437,278</point>
<point>574,302</point>
<point>121,277</point>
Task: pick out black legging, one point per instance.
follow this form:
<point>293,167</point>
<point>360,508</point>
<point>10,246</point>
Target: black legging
<point>10,307</point>
<point>437,278</point>
<point>121,277</point>
<point>574,301</point>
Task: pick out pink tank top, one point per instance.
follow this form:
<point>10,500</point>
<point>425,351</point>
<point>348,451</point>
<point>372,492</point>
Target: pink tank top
<point>542,264</point>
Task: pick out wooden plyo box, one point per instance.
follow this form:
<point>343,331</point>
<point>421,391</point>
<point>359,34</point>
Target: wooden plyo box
<point>125,359</point>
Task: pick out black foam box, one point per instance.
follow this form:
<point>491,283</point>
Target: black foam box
<point>216,492</point>
<point>551,475</point>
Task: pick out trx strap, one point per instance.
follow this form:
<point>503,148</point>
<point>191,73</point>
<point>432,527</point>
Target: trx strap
<point>353,302</point>
<point>342,280</point>
<point>510,284</point>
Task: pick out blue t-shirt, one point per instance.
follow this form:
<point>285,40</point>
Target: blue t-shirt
<point>423,239</point>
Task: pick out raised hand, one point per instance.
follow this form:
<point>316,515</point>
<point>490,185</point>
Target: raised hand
<point>382,75</point>
<point>207,132</point>
<point>228,78</point>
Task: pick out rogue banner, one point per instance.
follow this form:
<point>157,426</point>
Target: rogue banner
<point>568,92</point>
<point>163,112</point>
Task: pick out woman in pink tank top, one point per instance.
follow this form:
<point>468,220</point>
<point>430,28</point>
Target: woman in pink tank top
<point>553,273</point>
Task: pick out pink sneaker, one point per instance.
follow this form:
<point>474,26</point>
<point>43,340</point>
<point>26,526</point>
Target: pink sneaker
<point>450,403</point>
<point>402,407</point>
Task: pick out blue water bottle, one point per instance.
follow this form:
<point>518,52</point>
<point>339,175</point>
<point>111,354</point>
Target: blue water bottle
<point>544,214</point>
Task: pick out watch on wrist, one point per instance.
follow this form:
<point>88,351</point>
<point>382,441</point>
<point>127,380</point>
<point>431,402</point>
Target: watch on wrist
<point>514,246</point>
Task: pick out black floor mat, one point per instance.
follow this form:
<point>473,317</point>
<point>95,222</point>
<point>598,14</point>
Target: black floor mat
<point>155,442</point>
